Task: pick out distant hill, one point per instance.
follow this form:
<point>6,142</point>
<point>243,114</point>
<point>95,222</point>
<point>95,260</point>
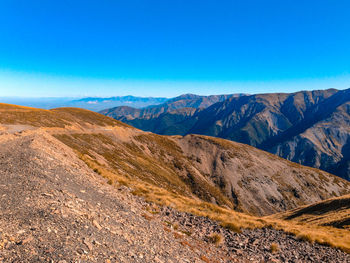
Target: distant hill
<point>97,104</point>
<point>307,127</point>
<point>90,103</point>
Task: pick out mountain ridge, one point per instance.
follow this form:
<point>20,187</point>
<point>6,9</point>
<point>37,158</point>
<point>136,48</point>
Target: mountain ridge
<point>273,122</point>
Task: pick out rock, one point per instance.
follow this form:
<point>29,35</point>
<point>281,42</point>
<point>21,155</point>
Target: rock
<point>88,244</point>
<point>96,224</point>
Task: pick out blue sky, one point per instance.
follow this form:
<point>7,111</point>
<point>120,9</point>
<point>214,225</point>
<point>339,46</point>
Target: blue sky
<point>166,48</point>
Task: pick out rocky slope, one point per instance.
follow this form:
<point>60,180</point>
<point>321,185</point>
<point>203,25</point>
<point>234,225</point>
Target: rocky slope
<point>308,127</point>
<point>258,245</point>
<point>56,208</point>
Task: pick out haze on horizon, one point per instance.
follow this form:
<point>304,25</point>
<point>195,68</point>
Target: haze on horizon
<point>162,49</point>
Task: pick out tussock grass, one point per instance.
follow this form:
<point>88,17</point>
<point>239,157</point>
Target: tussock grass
<point>232,227</point>
<point>215,238</point>
<point>274,248</point>
<point>60,118</point>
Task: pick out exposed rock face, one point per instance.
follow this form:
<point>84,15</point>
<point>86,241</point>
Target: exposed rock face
<point>309,127</point>
<point>325,145</point>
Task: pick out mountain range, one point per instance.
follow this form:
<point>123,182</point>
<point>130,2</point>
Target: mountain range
<point>308,127</point>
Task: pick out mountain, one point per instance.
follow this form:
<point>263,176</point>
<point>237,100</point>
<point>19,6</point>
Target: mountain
<point>91,103</point>
<point>187,104</point>
<point>307,127</point>
<point>163,118</point>
<point>77,185</point>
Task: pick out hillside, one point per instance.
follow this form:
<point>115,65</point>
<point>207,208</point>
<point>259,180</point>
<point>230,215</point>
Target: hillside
<point>56,208</point>
<point>308,127</point>
<point>96,188</point>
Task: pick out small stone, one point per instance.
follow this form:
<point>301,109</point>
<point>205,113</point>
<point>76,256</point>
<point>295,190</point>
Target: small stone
<point>96,224</point>
<point>88,244</point>
<point>28,239</point>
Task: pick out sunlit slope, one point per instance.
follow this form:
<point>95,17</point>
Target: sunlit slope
<point>326,222</point>
<point>333,212</point>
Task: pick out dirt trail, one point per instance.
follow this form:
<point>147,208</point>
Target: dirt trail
<point>54,208</point>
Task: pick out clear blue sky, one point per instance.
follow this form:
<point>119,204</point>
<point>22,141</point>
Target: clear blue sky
<point>165,48</point>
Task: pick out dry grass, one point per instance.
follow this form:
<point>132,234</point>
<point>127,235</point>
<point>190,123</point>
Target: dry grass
<point>60,118</point>
<point>274,248</point>
<point>326,222</point>
<point>147,217</point>
<point>215,238</point>
<point>205,259</point>
<point>232,227</point>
